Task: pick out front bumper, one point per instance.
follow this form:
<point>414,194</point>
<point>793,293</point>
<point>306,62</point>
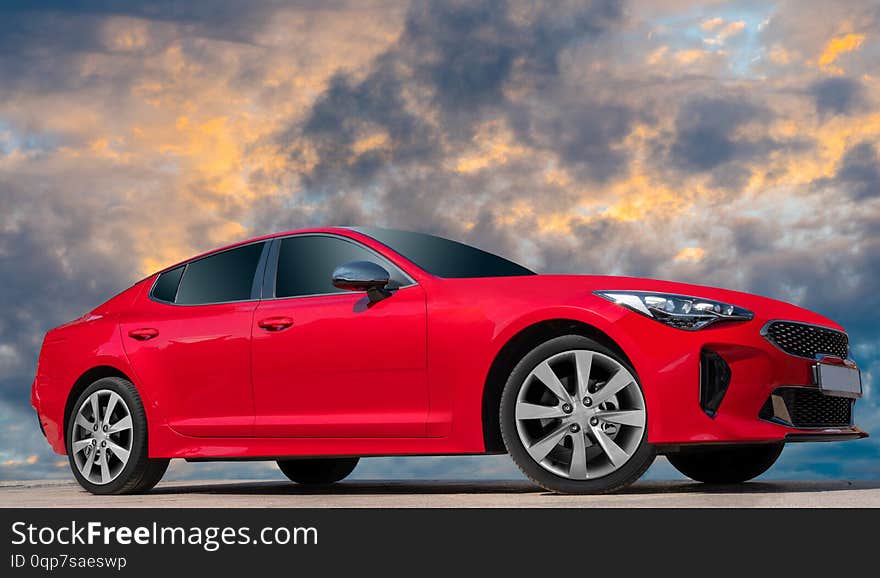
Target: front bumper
<point>669,366</point>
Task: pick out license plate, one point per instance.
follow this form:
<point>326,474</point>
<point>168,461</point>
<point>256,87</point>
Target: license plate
<point>839,380</point>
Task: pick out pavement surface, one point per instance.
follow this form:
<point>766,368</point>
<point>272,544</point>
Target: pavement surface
<point>445,494</point>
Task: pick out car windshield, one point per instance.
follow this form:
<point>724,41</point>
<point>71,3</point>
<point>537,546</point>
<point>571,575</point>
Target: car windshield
<point>445,258</point>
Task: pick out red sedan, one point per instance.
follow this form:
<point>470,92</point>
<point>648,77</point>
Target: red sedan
<point>317,347</point>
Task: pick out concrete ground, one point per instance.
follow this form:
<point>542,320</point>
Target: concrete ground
<point>446,494</point>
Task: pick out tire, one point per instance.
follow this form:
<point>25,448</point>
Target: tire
<point>594,466</point>
<point>124,474</point>
<point>317,470</point>
<point>725,465</point>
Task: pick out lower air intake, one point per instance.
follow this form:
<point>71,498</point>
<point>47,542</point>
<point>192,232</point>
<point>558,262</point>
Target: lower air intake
<point>807,407</point>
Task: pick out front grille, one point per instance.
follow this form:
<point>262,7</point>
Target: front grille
<point>807,340</point>
<point>807,407</point>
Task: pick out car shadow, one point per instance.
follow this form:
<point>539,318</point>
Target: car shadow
<point>398,487</point>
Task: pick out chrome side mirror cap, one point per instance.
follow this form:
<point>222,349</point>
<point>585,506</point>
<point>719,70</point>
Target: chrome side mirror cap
<point>363,276</point>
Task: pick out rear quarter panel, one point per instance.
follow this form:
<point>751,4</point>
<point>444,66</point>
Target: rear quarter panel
<point>71,350</point>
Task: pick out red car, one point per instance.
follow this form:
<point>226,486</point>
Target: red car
<point>317,347</point>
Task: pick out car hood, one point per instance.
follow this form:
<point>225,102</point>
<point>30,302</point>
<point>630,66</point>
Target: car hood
<point>573,289</point>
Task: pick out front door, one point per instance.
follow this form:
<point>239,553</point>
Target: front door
<point>326,362</point>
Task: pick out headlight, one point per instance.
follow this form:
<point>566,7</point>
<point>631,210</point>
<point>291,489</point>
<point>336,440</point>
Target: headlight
<point>678,311</point>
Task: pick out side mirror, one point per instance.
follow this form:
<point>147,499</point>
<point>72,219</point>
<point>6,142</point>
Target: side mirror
<point>363,276</point>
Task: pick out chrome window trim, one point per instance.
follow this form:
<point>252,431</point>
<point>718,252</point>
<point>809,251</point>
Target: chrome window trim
<point>272,267</point>
<point>765,334</point>
<point>261,264</point>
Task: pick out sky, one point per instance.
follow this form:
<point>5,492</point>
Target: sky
<point>732,144</point>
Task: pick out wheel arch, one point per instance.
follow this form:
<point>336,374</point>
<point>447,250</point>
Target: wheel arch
<point>89,377</point>
<point>513,351</point>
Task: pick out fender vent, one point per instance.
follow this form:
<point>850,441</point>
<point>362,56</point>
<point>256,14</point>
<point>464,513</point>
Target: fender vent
<point>714,379</point>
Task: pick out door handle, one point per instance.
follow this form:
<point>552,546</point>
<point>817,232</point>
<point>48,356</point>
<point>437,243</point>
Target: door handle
<point>143,334</point>
<point>275,323</point>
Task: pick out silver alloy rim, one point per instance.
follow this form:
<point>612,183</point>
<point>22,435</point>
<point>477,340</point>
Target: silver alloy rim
<point>580,414</point>
<point>102,437</point>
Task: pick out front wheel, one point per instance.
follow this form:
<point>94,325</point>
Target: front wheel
<point>574,419</point>
<point>725,465</point>
<point>317,470</point>
<point>107,440</point>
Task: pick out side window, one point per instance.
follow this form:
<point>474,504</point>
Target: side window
<point>165,288</point>
<point>226,276</point>
<point>306,263</point>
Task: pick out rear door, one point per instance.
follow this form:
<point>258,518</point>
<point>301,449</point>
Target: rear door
<point>326,362</point>
<point>189,342</point>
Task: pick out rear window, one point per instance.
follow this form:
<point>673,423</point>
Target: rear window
<point>220,278</point>
<point>445,258</point>
<point>165,288</point>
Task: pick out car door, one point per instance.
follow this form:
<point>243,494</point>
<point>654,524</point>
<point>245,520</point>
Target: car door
<point>189,342</point>
<point>327,362</point>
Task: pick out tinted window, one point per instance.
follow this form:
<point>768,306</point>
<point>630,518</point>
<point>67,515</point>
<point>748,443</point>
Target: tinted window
<point>166,285</point>
<point>306,263</point>
<point>445,258</point>
<point>226,276</point>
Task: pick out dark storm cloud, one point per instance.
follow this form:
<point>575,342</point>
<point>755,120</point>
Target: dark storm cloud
<point>837,95</point>
<point>752,235</point>
<point>705,127</point>
<point>466,53</point>
<point>227,19</point>
<point>859,172</point>
<point>468,50</point>
<point>50,276</point>
<point>42,42</point>
<point>582,130</point>
<point>345,110</point>
<point>463,55</point>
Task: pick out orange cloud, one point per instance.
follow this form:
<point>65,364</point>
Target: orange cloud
<point>721,31</point>
<point>377,140</point>
<point>836,47</point>
<point>711,24</point>
<point>690,255</point>
<point>494,145</point>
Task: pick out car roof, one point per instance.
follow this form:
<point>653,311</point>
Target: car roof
<point>351,232</point>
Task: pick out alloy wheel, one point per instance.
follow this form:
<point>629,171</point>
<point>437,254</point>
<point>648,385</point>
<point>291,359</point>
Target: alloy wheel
<point>580,414</point>
<point>102,437</point>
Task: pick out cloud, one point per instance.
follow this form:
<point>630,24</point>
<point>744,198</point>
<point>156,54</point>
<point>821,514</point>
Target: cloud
<point>706,133</point>
<point>859,172</point>
<point>838,95</point>
<point>721,31</point>
<point>577,137</point>
<point>692,254</point>
<point>837,47</point>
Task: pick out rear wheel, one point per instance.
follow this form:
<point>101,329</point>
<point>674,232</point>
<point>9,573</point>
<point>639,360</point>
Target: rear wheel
<point>725,465</point>
<point>574,419</point>
<point>107,440</point>
<point>317,470</point>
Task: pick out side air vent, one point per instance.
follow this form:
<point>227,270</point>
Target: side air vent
<point>714,379</point>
